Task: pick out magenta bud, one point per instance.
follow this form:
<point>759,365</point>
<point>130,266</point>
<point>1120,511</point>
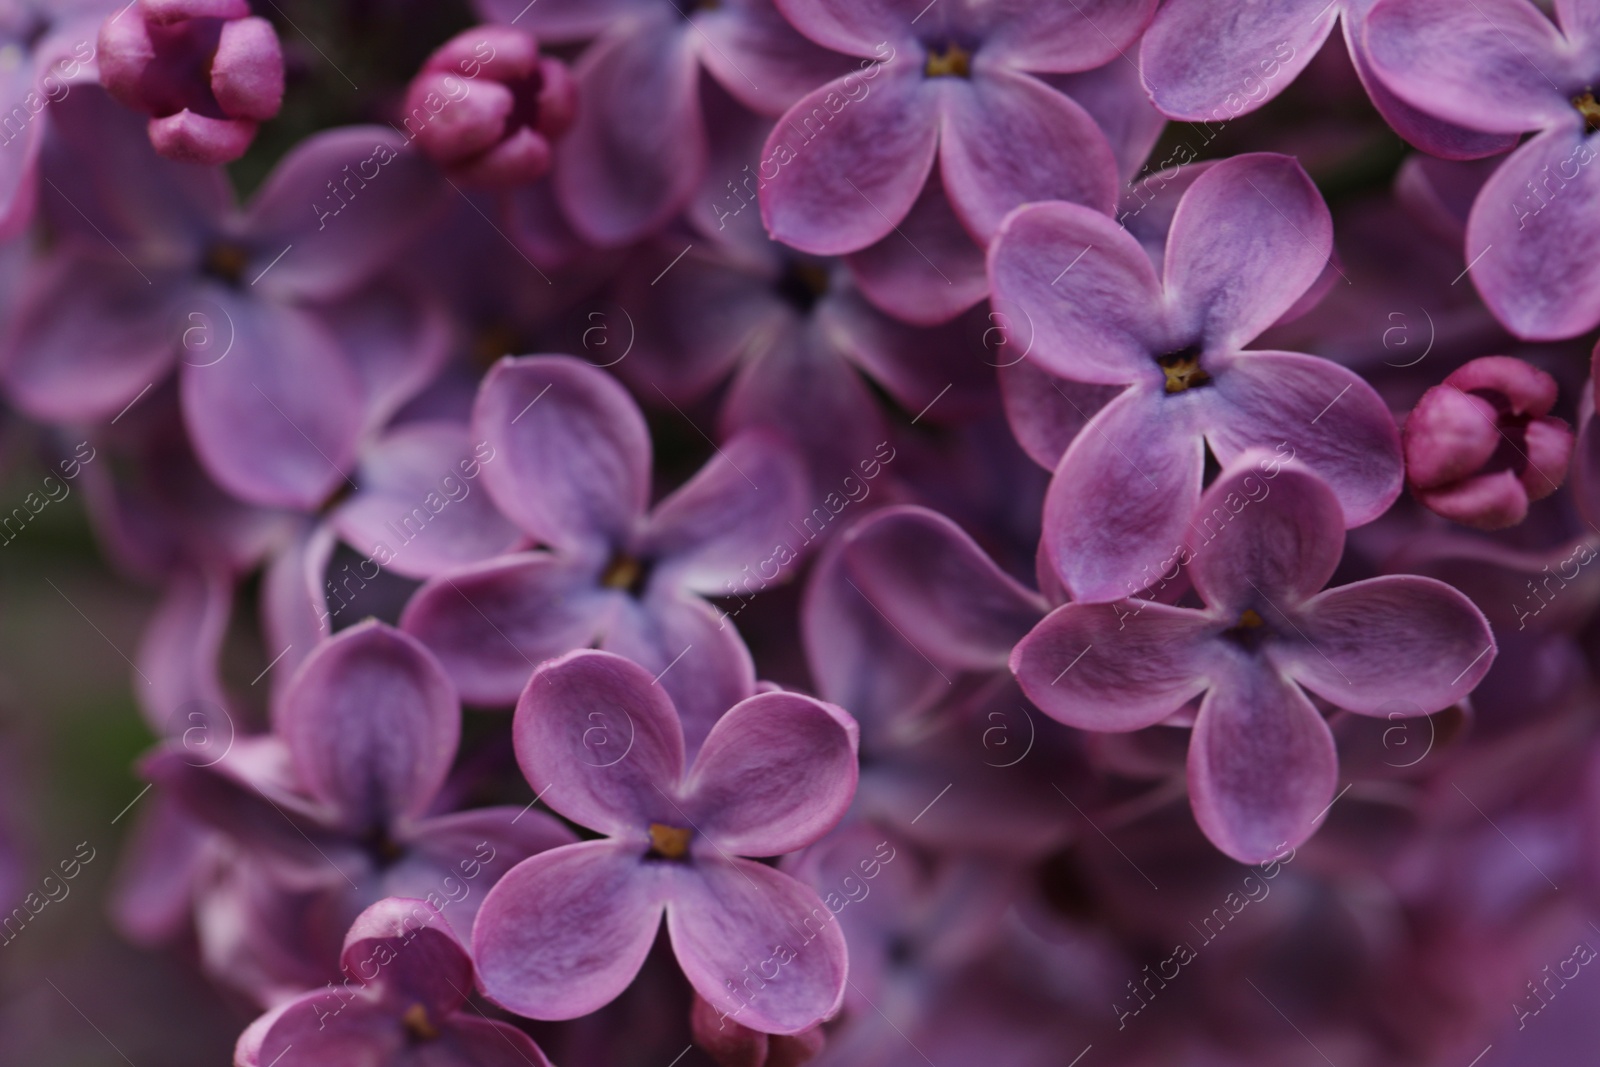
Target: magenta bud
<point>1482,444</point>
<point>486,106</point>
<point>205,71</point>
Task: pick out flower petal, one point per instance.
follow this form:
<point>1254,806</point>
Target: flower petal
<point>759,758</point>
<point>729,920</point>
<point>372,724</point>
<point>1249,237</point>
<point>565,932</point>
<point>1262,764</point>
<point>1115,667</point>
<point>1046,413</point>
<point>1490,65</point>
<point>1118,507</point>
<point>775,66</point>
<point>853,27</point>
<point>697,655</point>
<point>1263,530</point>
<point>1210,61</point>
<point>601,742</point>
<point>928,270</point>
<point>572,468</point>
<point>417,512</point>
<point>637,149</point>
<point>986,116</point>
<point>1079,294</point>
<point>939,589</point>
<point>1531,236</point>
<point>90,332</point>
<point>849,167</point>
<point>491,623</point>
<point>1317,412</point>
<point>727,519</point>
<point>1395,638</point>
<point>1050,37</point>
<point>426,961</point>
<point>276,416</point>
<point>337,209</point>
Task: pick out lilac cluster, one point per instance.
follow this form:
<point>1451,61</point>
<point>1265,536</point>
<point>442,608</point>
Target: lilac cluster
<point>964,531</point>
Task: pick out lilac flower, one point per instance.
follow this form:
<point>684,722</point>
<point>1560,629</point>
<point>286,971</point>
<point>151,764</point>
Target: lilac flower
<point>341,796</point>
<point>957,83</point>
<point>206,72</point>
<point>573,472</point>
<point>1207,61</point>
<point>266,313</point>
<point>638,148</point>
<point>1248,238</point>
<point>486,106</point>
<point>403,1003</point>
<point>564,933</point>
<point>1262,764</point>
<point>1501,66</point>
<point>1482,443</point>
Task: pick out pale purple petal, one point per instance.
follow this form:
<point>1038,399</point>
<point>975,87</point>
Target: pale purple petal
<point>565,932</point>
<point>1053,37</point>
<point>1046,412</point>
<point>572,453</point>
<point>728,915</point>
<point>1490,65</point>
<point>1249,237</point>
<point>1118,507</point>
<point>730,517</point>
<point>983,120</point>
<point>760,59</point>
<point>600,741</point>
<point>939,589</point>
<point>491,623</point>
<point>420,510</point>
<point>1205,61</point>
<point>1531,235</point>
<point>372,723</point>
<point>1079,294</point>
<point>637,150</point>
<point>1317,412</point>
<point>848,170</point>
<point>274,418</point>
<point>1121,666</point>
<point>1262,764</point>
<point>429,963</point>
<point>1398,640</point>
<point>854,27</point>
<point>762,755</point>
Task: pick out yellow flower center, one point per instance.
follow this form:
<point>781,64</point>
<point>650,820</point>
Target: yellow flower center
<point>952,61</point>
<point>418,1025</point>
<point>669,842</point>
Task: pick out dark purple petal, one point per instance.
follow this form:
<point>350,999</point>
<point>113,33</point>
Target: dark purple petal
<point>1045,412</point>
<point>1491,65</point>
<point>759,58</point>
<point>1531,235</point>
<point>1264,531</point>
<point>1317,412</point>
<point>926,271</point>
<point>1209,61</point>
<point>730,517</point>
<point>372,723</point>
<point>427,963</point>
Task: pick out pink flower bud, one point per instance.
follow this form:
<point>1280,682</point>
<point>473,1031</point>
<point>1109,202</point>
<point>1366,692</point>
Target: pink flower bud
<point>205,71</point>
<point>1482,444</point>
<point>486,106</point>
